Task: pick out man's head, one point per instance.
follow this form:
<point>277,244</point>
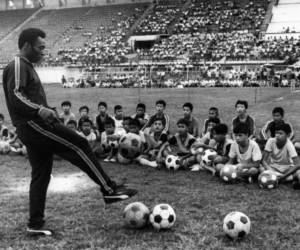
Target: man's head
<point>241,107</point>
<point>187,109</point>
<point>118,112</point>
<point>140,110</point>
<point>72,125</point>
<point>241,133</point>
<point>182,126</point>
<point>86,126</point>
<point>278,114</point>
<point>134,126</point>
<point>212,122</point>
<point>66,106</point>
<point>84,111</point>
<point>219,132</point>
<point>160,106</point>
<point>102,108</point>
<point>213,112</point>
<point>32,44</point>
<point>158,125</point>
<point>282,132</point>
<point>109,126</point>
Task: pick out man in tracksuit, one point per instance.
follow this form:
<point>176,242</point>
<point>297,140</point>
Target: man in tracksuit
<point>39,128</point>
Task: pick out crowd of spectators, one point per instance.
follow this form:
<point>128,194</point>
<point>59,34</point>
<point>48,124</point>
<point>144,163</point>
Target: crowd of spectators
<point>234,45</point>
<point>221,16</point>
<point>158,20</point>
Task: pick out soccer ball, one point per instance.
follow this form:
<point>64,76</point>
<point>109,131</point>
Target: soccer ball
<point>130,146</point>
<point>136,215</point>
<point>162,216</point>
<point>4,147</point>
<point>206,157</point>
<point>228,173</point>
<point>236,225</point>
<point>172,162</point>
<point>267,180</point>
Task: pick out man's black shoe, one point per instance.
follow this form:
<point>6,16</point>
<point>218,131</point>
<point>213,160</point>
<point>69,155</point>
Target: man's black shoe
<point>39,231</point>
<point>120,193</point>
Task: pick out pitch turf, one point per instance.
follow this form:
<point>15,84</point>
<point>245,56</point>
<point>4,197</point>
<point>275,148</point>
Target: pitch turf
<point>76,211</point>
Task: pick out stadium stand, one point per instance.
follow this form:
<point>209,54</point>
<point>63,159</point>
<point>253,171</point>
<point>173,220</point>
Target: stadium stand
<point>222,16</point>
<point>10,19</point>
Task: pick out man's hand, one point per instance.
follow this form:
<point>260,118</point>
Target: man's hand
<point>48,115</point>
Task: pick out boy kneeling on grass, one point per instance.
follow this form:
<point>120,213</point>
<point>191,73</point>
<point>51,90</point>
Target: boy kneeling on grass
<point>280,155</point>
<point>179,144</point>
<point>221,143</point>
<point>244,153</point>
<point>154,140</point>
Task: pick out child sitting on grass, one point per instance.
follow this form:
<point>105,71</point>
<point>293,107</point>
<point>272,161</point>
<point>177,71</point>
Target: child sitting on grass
<point>110,140</point>
<point>86,130</point>
<point>206,139</point>
<point>72,124</point>
<point>269,129</point>
<point>221,143</point>
<point>280,155</point>
<point>180,145</point>
<point>245,153</point>
<point>66,115</point>
<point>243,117</point>
<point>154,140</point>
<point>141,114</point>
<point>83,113</point>
<point>160,106</point>
<point>213,112</point>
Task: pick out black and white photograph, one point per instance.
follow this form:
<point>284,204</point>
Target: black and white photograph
<point>149,124</point>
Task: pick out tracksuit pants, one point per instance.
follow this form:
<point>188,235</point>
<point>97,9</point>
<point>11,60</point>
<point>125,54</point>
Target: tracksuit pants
<point>42,142</point>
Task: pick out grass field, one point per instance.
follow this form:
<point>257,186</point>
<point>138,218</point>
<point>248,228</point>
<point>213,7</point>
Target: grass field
<point>76,211</point>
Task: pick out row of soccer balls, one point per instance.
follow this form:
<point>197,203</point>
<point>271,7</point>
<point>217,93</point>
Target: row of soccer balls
<point>137,215</point>
<point>228,173</point>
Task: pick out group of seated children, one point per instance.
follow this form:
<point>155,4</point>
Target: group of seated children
<point>251,153</point>
<point>9,142</point>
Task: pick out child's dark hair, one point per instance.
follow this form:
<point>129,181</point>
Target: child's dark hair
<point>66,103</point>
<point>110,121</point>
<point>215,120</point>
<point>162,102</point>
<point>134,122</point>
<point>1,116</point>
<point>188,105</point>
<point>183,121</point>
<point>158,119</point>
<point>86,119</point>
<point>84,107</point>
<point>279,110</point>
<point>214,109</point>
<point>127,118</point>
<point>141,105</point>
<point>117,107</point>
<point>242,102</point>
<point>104,104</point>
<point>241,128</point>
<point>72,122</point>
<point>284,127</point>
<point>220,129</point>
